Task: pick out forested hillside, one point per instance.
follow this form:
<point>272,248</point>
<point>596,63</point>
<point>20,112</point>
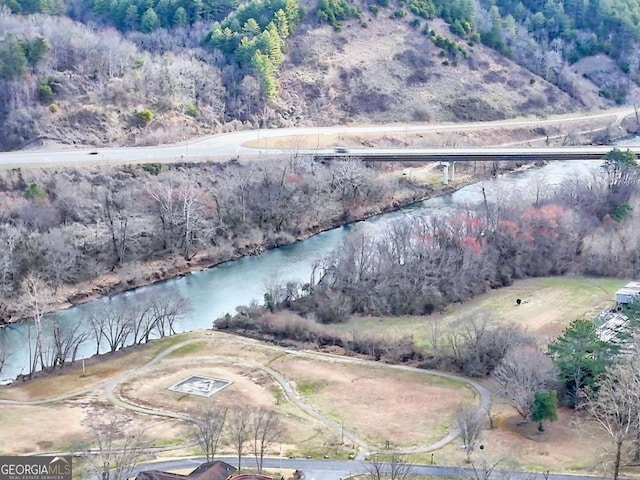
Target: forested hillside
<point>143,72</point>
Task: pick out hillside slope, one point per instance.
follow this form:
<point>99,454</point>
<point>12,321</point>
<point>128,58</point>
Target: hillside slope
<point>375,69</point>
<point>390,72</point>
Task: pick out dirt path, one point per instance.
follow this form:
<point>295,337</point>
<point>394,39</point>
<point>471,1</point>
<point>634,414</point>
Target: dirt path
<point>109,388</point>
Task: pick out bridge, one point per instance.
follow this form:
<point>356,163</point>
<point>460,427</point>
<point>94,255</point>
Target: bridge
<point>449,156</point>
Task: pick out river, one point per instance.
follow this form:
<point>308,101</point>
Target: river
<point>219,290</point>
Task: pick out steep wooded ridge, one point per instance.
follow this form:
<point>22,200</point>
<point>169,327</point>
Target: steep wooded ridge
<point>131,72</point>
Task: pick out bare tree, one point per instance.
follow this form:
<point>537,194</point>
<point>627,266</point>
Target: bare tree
<point>190,206</point>
<point>66,341</point>
<point>37,292</point>
<point>351,178</point>
<point>239,426</point>
<point>486,470</point>
<point>97,324</point>
<point>112,322</point>
<point>491,413</point>
<point>478,344</point>
<point>470,425</point>
<point>522,372</point>
<point>616,406</point>
<point>115,210</point>
<point>207,425</point>
<point>267,428</point>
<point>118,447</point>
<point>396,468</point>
<point>168,308</point>
<point>4,352</point>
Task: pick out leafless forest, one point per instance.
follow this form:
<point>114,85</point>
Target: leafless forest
<point>419,265</point>
<point>72,226</point>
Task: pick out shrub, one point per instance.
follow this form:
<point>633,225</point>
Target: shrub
<point>191,110</point>
<point>620,212</point>
<point>144,116</point>
<point>373,8</point>
<point>33,191</point>
<point>45,92</point>
<point>152,168</point>
<point>53,108</point>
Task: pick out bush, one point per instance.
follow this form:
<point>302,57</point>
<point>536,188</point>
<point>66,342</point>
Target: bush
<point>53,108</point>
<point>373,8</point>
<point>191,110</point>
<point>45,92</point>
<point>33,191</point>
<point>152,168</point>
<point>620,212</point>
<point>144,116</point>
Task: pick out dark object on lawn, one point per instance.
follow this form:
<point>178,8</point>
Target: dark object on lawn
<point>518,301</point>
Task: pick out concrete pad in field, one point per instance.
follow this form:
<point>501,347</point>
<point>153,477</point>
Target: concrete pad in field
<point>201,386</point>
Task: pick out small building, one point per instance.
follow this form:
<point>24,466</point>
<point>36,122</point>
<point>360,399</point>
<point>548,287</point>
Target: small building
<point>628,293</point>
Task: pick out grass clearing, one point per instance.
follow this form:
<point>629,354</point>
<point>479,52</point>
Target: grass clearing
<point>188,349</point>
<point>405,408</point>
<point>548,306</point>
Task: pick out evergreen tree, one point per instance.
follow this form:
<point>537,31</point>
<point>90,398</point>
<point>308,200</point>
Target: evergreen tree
<point>13,60</point>
<point>36,50</point>
<point>544,407</point>
<point>266,73</point>
<point>180,18</point>
<point>581,357</point>
<point>131,18</point>
<point>282,23</point>
<point>149,21</point>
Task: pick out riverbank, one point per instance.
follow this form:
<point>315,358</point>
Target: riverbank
<point>135,275</point>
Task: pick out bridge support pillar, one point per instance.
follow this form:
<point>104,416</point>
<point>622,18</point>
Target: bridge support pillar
<point>452,171</point>
<point>445,173</point>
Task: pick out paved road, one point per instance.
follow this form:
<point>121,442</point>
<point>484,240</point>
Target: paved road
<point>227,145</point>
<point>339,469</point>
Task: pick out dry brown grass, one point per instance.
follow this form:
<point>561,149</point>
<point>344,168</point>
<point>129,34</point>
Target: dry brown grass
<point>98,369</point>
<point>401,407</point>
<point>571,444</point>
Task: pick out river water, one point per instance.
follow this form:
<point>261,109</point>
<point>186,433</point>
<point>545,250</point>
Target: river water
<point>219,290</point>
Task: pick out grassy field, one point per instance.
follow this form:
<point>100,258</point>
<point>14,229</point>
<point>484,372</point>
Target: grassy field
<point>548,306</point>
<point>379,404</point>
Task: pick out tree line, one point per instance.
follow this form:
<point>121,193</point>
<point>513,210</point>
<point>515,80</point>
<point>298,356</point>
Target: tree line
<point>111,325</point>
<point>72,226</point>
<point>420,265</point>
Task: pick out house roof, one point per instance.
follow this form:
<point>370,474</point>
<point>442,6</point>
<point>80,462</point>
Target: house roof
<point>631,288</point>
<point>216,470</point>
<point>158,475</point>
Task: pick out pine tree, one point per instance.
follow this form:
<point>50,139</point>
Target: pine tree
<point>180,17</point>
<point>266,74</point>
<point>544,407</point>
<point>149,21</point>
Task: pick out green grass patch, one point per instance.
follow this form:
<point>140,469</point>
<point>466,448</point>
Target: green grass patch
<point>310,387</point>
<point>188,349</point>
<point>548,305</point>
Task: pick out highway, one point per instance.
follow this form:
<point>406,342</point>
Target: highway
<point>224,146</point>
